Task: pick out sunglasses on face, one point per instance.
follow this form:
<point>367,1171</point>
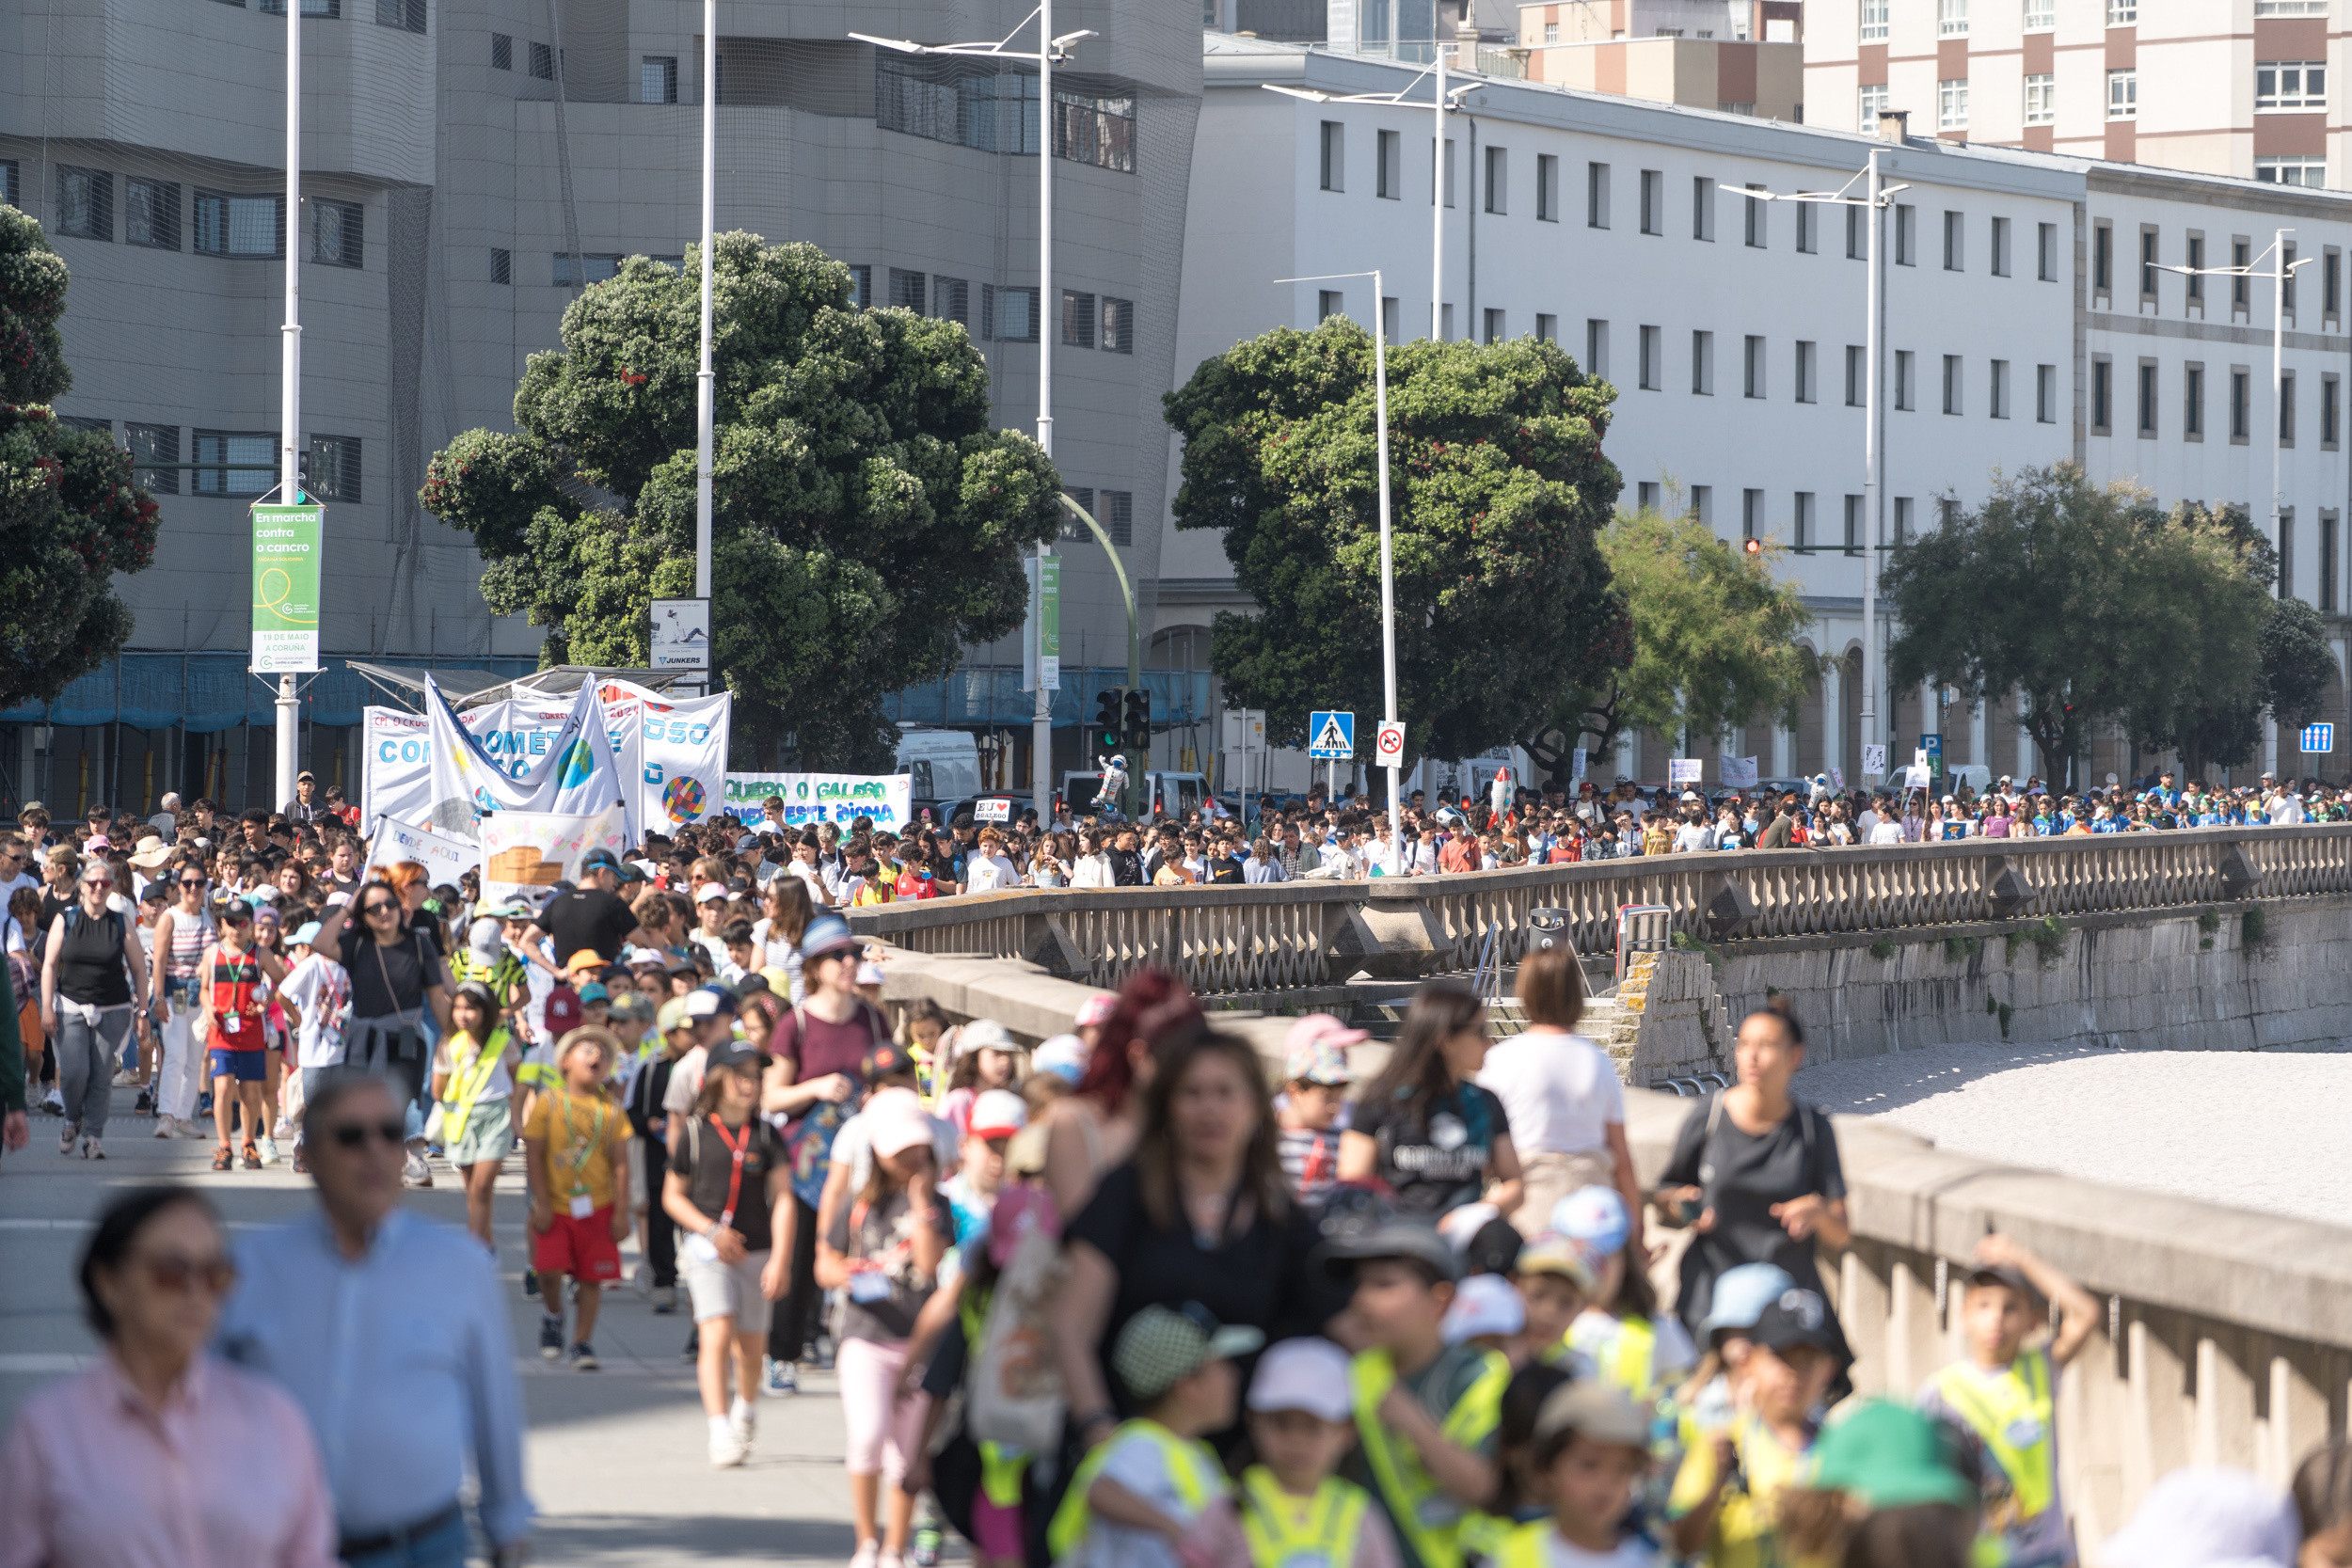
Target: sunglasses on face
<point>381,906</point>
<point>180,1274</point>
<point>350,1134</point>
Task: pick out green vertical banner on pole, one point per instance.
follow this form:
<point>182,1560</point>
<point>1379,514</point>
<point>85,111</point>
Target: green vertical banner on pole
<point>1049,623</point>
<point>286,588</point>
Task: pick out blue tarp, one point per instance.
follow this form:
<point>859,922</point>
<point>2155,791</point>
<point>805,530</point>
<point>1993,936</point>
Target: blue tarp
<point>210,692</point>
<point>992,695</point>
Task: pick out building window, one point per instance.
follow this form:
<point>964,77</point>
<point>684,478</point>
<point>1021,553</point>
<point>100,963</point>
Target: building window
<point>2046,252</point>
<point>2195,279</point>
<point>1806,358</point>
<point>657,79</point>
<point>2286,269</point>
<point>157,443</point>
<point>1596,349</point>
<point>1902,379</point>
<point>2310,170</point>
<point>951,301</point>
<point>1596,195</point>
<point>1874,104</point>
<point>501,265</point>
<point>2040,99</point>
<point>2241,256</point>
<point>1703,503</point>
<point>603,266</point>
<point>2327,563</point>
<point>1119,324</point>
<point>1734,106</point>
<point>1546,328</point>
<point>2103,259</point>
<point>2241,389</point>
<point>1010,314</point>
<point>1951,105</point>
<point>1951,19</point>
<point>1996,395</point>
<point>1328,303</point>
<point>1854,525</point>
<point>2193,402</point>
<point>2041,15</point>
<point>85,204</point>
<point>7,181</point>
<point>1097,129</point>
<point>251,225</point>
<point>1646,494</point>
<point>2291,84</point>
<point>1702,364</point>
<point>1449,170</point>
<point>2286,408</point>
<point>1493,327</point>
<point>2148,399</point>
<point>1072,528</point>
<point>1800,521</point>
<point>1999,262</point>
<point>911,291</point>
<point>2286,552</point>
<point>2102,393</point>
<point>502,52</point>
<point>1653,201</point>
<point>1546,188</point>
<point>1388,319</point>
<point>1752,361</point>
<point>1751,513</point>
<point>2123,13</point>
<point>543,62</point>
<point>337,232</point>
<point>1856,376</point>
<point>1955,241</point>
<point>238,463</point>
<point>1951,384</point>
<point>1903,519</point>
<point>2148,265</point>
<point>1498,180</point>
<point>1906,235</point>
<point>1754,218</point>
<point>150,213</point>
<point>1389,179</point>
<point>2290,8</point>
<point>1552,32</point>
<point>2330,281</point>
<point>1334,155</point>
<point>407,15</point>
<point>334,468</point>
<point>1857,248</point>
<point>1703,208</point>
<point>1077,319</point>
<point>2123,94</point>
<point>1808,229</point>
<point>2045,394</point>
<point>1874,14</point>
<point>2329,407</point>
<point>1652,372</point>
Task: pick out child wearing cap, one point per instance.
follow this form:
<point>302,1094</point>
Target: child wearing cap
<point>577,1143</point>
<point>2004,1394</point>
<point>1630,1341</point>
<point>1590,1448</point>
<point>1317,1079</point>
<point>1139,1499</point>
<point>1291,1507</point>
<point>473,1080</point>
<point>985,1058</point>
<point>1555,1282</point>
<point>995,1117</point>
<point>1740,1297</point>
<point>318,989</point>
<point>1725,1500</point>
<point>647,1101</point>
<point>1884,1490</point>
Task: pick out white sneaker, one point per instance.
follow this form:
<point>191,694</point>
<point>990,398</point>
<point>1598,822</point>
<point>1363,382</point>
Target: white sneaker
<point>727,1451</point>
<point>281,1130</point>
<point>743,1423</point>
<point>868,1555</point>
<point>269,1152</point>
<point>184,1128</point>
<point>163,1126</point>
<point>413,1172</point>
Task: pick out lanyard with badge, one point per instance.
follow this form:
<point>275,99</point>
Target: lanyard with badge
<point>584,1204</point>
<point>736,1147</point>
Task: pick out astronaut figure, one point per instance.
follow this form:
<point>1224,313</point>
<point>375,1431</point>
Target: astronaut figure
<point>1114,782</point>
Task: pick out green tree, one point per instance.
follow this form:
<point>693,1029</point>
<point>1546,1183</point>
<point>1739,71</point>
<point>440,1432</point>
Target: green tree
<point>866,520</point>
<point>2295,663</point>
<point>70,516</point>
<point>1714,640</point>
<point>1498,489</point>
<point>2089,603</point>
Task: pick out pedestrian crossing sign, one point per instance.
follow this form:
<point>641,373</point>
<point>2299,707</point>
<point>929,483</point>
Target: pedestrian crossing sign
<point>1332,737</point>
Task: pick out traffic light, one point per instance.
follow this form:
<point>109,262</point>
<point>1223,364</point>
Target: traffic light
<point>1139,718</point>
<point>1109,717</point>
<point>1755,547</point>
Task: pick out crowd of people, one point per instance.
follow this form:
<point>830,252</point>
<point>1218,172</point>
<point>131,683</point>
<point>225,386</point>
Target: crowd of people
<point>1124,1297</point>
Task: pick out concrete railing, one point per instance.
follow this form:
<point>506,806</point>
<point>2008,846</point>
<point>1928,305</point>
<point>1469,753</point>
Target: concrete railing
<point>2226,1336</point>
<point>1275,937</point>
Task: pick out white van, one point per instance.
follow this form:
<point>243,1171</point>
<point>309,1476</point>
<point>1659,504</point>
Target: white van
<point>945,763</point>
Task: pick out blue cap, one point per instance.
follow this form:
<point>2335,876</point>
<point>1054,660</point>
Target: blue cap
<point>599,859</point>
<point>1742,1294</point>
<point>592,991</point>
<point>1596,1216</point>
<point>307,935</point>
<point>826,933</point>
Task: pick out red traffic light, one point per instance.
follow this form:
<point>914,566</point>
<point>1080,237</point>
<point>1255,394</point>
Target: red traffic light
<point>1754,547</point>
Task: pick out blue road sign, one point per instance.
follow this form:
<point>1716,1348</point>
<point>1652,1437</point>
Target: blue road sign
<point>2319,739</point>
<point>1332,737</point>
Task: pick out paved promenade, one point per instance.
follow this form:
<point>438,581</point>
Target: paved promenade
<point>617,1457</point>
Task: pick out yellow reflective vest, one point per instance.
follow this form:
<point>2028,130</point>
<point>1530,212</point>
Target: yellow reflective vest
<point>1285,1532</point>
<point>2014,1416</point>
<point>1192,1469</point>
<point>1430,1521</point>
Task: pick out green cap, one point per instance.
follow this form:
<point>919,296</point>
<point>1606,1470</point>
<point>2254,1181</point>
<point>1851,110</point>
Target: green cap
<point>1888,1456</point>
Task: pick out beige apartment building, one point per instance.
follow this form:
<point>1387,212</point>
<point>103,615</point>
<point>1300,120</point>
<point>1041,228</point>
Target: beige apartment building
<point>2219,86</point>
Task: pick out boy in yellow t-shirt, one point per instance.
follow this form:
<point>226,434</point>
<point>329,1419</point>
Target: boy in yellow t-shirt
<point>577,1140</point>
<point>1727,1496</point>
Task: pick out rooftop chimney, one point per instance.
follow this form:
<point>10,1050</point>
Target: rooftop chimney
<point>1895,125</point>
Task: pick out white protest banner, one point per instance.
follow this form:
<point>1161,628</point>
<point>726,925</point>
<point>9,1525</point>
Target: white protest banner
<point>1737,772</point>
<point>1915,777</point>
<point>994,808</point>
<point>887,798</point>
<point>444,859</point>
<point>572,773</point>
<point>1874,762</point>
<point>1576,767</point>
<point>675,748</point>
<point>1684,771</point>
<point>1837,779</point>
<point>528,852</point>
<point>396,772</point>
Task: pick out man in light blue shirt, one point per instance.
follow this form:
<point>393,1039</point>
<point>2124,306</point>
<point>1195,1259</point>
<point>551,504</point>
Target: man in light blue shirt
<point>389,1330</point>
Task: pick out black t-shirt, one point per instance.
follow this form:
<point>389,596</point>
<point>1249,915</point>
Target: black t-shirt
<point>706,1162</point>
<point>388,981</point>
<point>1437,1156</point>
<point>587,918</point>
<point>1742,1178</point>
<point>1259,1277</point>
<point>90,962</point>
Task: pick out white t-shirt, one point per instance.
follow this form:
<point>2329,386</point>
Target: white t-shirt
<point>1137,1464</point>
<point>853,1145</point>
<point>321,987</point>
<point>1888,830</point>
<point>686,1081</point>
<point>1632,1552</point>
<point>1560,1091</point>
<point>1692,837</point>
<point>817,889</point>
<point>987,873</point>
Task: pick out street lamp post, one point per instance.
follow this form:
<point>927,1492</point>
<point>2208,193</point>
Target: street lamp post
<point>705,378</point>
<point>1051,51</point>
<point>1877,197</point>
<point>1387,562</point>
<point>287,737</point>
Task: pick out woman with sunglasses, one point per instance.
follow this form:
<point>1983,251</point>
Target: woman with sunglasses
<point>181,935</point>
<point>161,1452</point>
<point>91,971</point>
<point>396,973</point>
<point>237,978</point>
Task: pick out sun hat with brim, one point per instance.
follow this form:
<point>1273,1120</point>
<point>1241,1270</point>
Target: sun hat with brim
<point>827,933</point>
<point>1888,1455</point>
<point>585,960</point>
<point>2206,1516</point>
<point>1598,1412</point>
<point>1161,1346</point>
<point>1549,1252</point>
<point>150,852</point>
<point>1398,1239</point>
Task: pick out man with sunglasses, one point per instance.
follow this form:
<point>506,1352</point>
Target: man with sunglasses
<point>389,1332</point>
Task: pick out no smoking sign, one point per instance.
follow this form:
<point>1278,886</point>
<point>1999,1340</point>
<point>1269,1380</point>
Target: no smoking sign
<point>1387,747</point>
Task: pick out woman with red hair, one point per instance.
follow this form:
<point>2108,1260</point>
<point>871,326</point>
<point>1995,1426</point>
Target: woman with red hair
<point>1095,1127</point>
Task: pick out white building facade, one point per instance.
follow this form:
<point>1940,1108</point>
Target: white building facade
<point>2016,333</point>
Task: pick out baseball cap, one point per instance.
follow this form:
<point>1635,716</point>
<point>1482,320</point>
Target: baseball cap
<point>1483,1303</point>
<point>673,1015</point>
<point>2003,1273</point>
<point>1315,1049</point>
<point>1162,1346</point>
<point>486,942</point>
<point>710,1002</point>
<point>1095,1009</point>
<point>562,1011</point>
<point>516,908</point>
<point>586,958</point>
<point>827,933</point>
<point>898,1124</point>
<point>882,1058</point>
<point>1796,1317</point>
<point>308,934</point>
<point>1743,1293</point>
<point>1063,1055</point>
<point>982,1034</point>
<point>998,1114</point>
<point>633,1006</point>
<point>599,859</point>
<point>2206,1516</point>
<point>593,992</point>
<point>1887,1455</point>
<point>1402,1239</point>
<point>710,893</point>
<point>733,1053</point>
<point>1309,1375</point>
<point>1594,1216</point>
<point>1599,1411</point>
<point>1549,1252</point>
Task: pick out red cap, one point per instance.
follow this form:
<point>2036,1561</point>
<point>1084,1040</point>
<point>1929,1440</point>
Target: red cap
<point>562,1011</point>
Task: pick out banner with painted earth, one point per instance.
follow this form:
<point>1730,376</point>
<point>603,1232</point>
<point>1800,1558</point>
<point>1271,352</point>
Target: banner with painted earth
<point>674,747</point>
<point>575,775</point>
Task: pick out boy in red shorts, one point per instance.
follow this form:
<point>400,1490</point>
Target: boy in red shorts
<point>577,1140</point>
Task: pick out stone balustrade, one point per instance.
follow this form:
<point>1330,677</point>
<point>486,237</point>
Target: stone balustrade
<point>1265,937</point>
